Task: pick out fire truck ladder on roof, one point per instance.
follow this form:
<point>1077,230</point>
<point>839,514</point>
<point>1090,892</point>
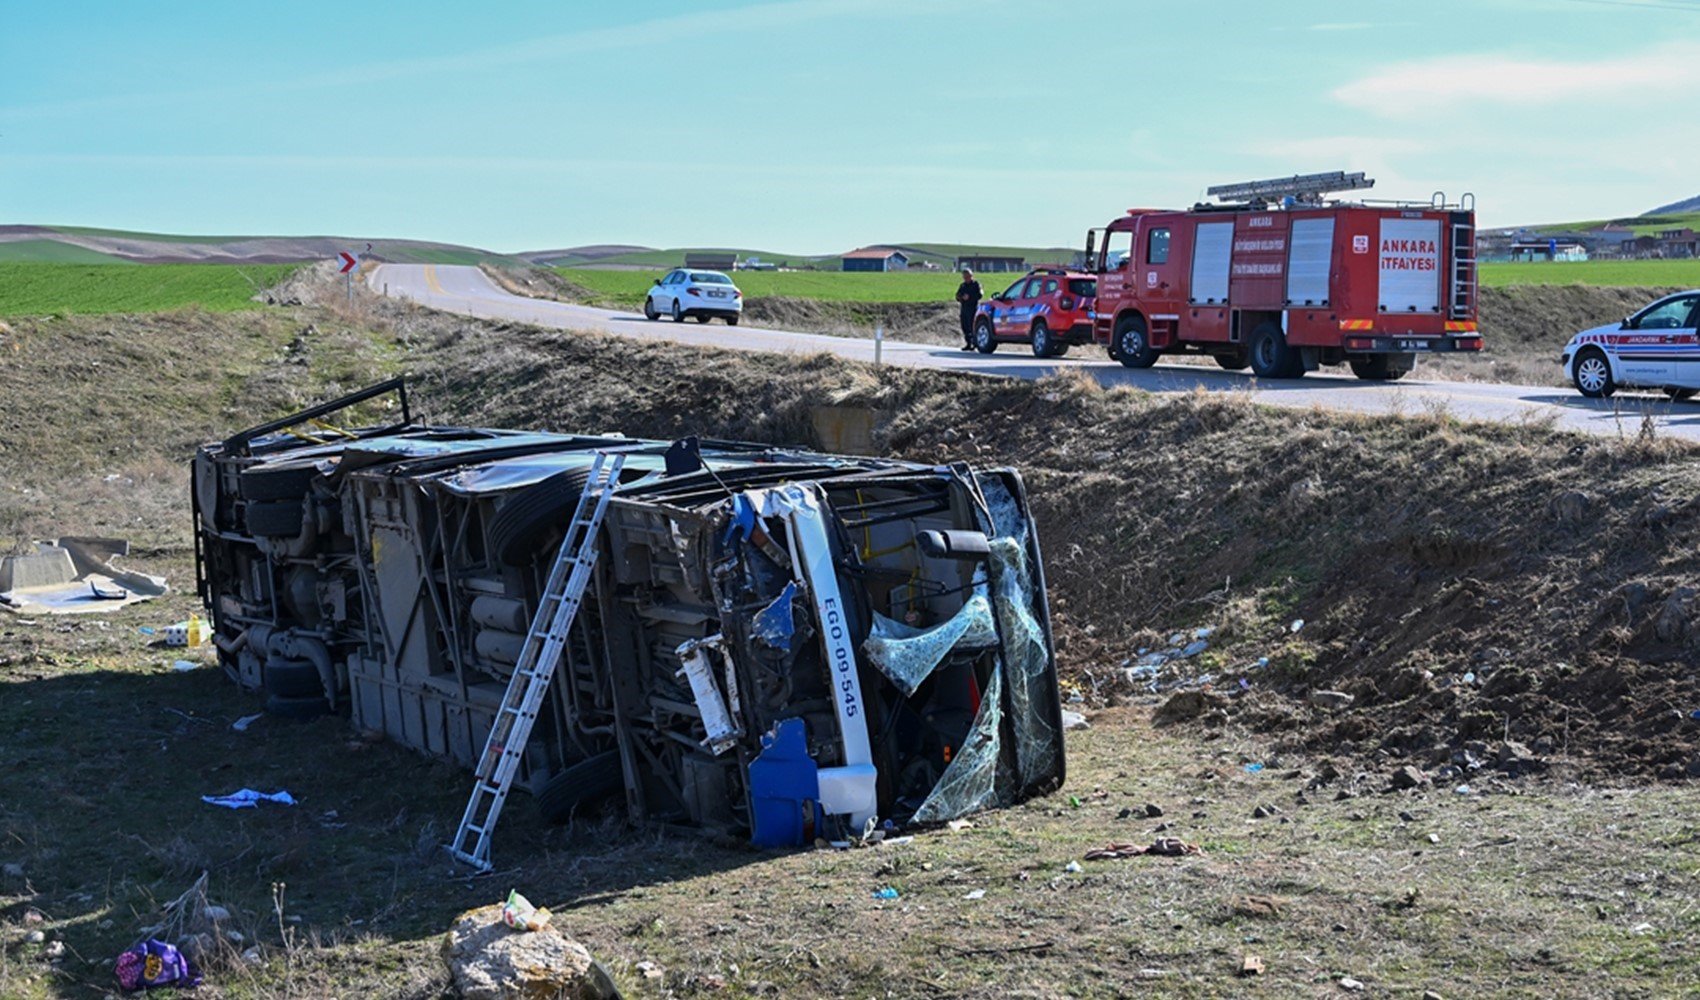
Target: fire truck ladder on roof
<point>562,596</point>
<point>1308,188</point>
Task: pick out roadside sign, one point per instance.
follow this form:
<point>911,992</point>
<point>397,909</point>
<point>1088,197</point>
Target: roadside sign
<point>349,262</point>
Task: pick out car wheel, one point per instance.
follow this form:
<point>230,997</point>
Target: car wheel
<point>1377,369</point>
<point>678,314</point>
<point>649,311</point>
<point>985,338</point>
<point>1040,338</point>
<point>1133,347</point>
<point>1270,356</point>
<point>1592,374</point>
<point>731,321</point>
<point>701,317</point>
<point>590,779</point>
<point>1677,395</point>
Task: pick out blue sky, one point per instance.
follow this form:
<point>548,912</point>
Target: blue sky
<point>816,125</point>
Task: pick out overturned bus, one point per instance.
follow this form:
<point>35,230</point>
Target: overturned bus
<point>775,643</point>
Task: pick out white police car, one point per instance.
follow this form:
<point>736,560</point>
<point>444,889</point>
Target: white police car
<point>1656,348</point>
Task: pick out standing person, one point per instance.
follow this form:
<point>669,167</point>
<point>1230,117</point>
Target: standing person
<point>968,295</point>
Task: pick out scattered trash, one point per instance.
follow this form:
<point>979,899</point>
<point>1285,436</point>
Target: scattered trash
<point>54,951</point>
<point>1463,789</point>
<point>1245,685</point>
<point>1297,624</point>
<point>1073,867</point>
<point>1194,648</point>
<point>155,963</point>
<point>1641,929</point>
<point>1074,802</point>
<point>184,666</point>
<point>241,725</point>
<point>976,894</point>
<point>192,633</point>
<point>252,956</point>
<point>145,629</point>
<point>1074,720</point>
<point>247,798</point>
<point>35,937</point>
<point>1172,847</point>
<point>649,970</point>
<point>1694,714</point>
<point>1203,633</point>
<point>1348,983</point>
<point>886,893</point>
<point>519,914</point>
<point>958,825</point>
<point>73,575</point>
<point>1262,661</point>
<point>1469,678</point>
<point>1331,699</point>
<point>1253,767</point>
<point>1251,965</point>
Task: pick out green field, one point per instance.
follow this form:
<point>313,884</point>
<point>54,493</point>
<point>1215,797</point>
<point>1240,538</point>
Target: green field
<point>626,288</point>
<point>1643,225</point>
<point>35,288</point>
<point>54,251</point>
<point>1610,273</point>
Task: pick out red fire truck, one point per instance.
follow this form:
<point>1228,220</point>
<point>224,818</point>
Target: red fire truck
<point>1276,278</point>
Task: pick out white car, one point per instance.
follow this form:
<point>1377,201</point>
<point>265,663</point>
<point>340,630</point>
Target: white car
<point>701,295</point>
<point>1656,348</point>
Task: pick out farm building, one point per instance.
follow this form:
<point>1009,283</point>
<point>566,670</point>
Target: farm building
<point>711,260</point>
<point>875,259</point>
<point>990,264</point>
<point>1550,248</point>
<point>1679,243</point>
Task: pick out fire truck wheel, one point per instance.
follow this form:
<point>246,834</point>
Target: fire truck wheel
<point>985,341</point>
<point>1133,349</point>
<point>590,779</point>
<point>1379,368</point>
<point>1592,374</point>
<point>1232,362</point>
<point>1045,344</point>
<point>1270,355</point>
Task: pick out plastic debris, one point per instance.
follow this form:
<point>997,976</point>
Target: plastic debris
<point>1204,633</point>
<point>1073,867</point>
<point>976,894</point>
<point>519,914</point>
<point>247,798</point>
<point>1694,714</point>
<point>1253,767</point>
<point>241,725</point>
<point>1297,624</point>
<point>145,629</point>
<point>1463,789</point>
<point>1074,720</point>
<point>184,666</point>
<point>886,893</point>
<point>155,963</point>
<point>1194,648</point>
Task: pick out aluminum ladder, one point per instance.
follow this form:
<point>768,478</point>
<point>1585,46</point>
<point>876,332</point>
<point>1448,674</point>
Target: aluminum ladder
<point>1463,266</point>
<point>562,595</point>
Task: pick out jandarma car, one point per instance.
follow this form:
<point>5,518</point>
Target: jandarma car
<point>1656,348</point>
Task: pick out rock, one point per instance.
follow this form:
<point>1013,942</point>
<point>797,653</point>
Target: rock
<point>1251,965</point>
<point>1672,624</point>
<point>1074,720</point>
<point>649,971</point>
<point>1406,817</point>
<point>1153,810</point>
<point>1264,812</point>
<point>35,937</point>
<point>253,957</point>
<point>216,914</point>
<point>234,937</point>
<point>198,948</point>
<point>1409,776</point>
<point>488,960</point>
<point>1348,983</point>
<point>1571,507</point>
<point>1184,706</point>
<point>54,951</point>
<point>1331,700</point>
<point>1432,995</point>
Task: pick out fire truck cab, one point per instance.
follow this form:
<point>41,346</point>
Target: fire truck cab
<point>1279,280</point>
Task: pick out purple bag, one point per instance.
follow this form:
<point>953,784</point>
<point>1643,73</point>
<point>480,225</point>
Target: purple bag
<point>155,963</point>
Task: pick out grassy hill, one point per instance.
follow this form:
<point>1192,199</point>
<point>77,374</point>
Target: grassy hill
<point>1642,225</point>
<point>942,254</point>
<point>37,288</point>
<point>85,244</point>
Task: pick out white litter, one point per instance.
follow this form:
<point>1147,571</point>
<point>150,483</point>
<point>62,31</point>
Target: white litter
<point>247,798</point>
<point>241,725</point>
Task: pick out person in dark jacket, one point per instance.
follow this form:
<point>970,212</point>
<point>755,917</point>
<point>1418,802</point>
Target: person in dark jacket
<point>968,296</point>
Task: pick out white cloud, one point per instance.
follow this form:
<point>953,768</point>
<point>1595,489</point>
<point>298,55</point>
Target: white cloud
<point>1664,73</point>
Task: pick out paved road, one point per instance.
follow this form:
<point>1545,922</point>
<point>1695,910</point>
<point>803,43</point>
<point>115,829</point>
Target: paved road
<point>468,291</point>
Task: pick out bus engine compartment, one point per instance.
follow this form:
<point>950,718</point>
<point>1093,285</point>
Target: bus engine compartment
<point>775,644</point>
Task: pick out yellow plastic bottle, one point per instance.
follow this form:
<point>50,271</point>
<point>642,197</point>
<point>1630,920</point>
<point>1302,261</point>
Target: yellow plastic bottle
<point>198,631</point>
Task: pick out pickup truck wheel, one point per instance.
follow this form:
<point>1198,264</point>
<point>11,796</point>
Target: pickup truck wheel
<point>587,781</point>
<point>1271,357</point>
<point>649,311</point>
<point>1592,374</point>
<point>1677,395</point>
<point>985,340</point>
<point>1133,347</point>
<point>275,518</point>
